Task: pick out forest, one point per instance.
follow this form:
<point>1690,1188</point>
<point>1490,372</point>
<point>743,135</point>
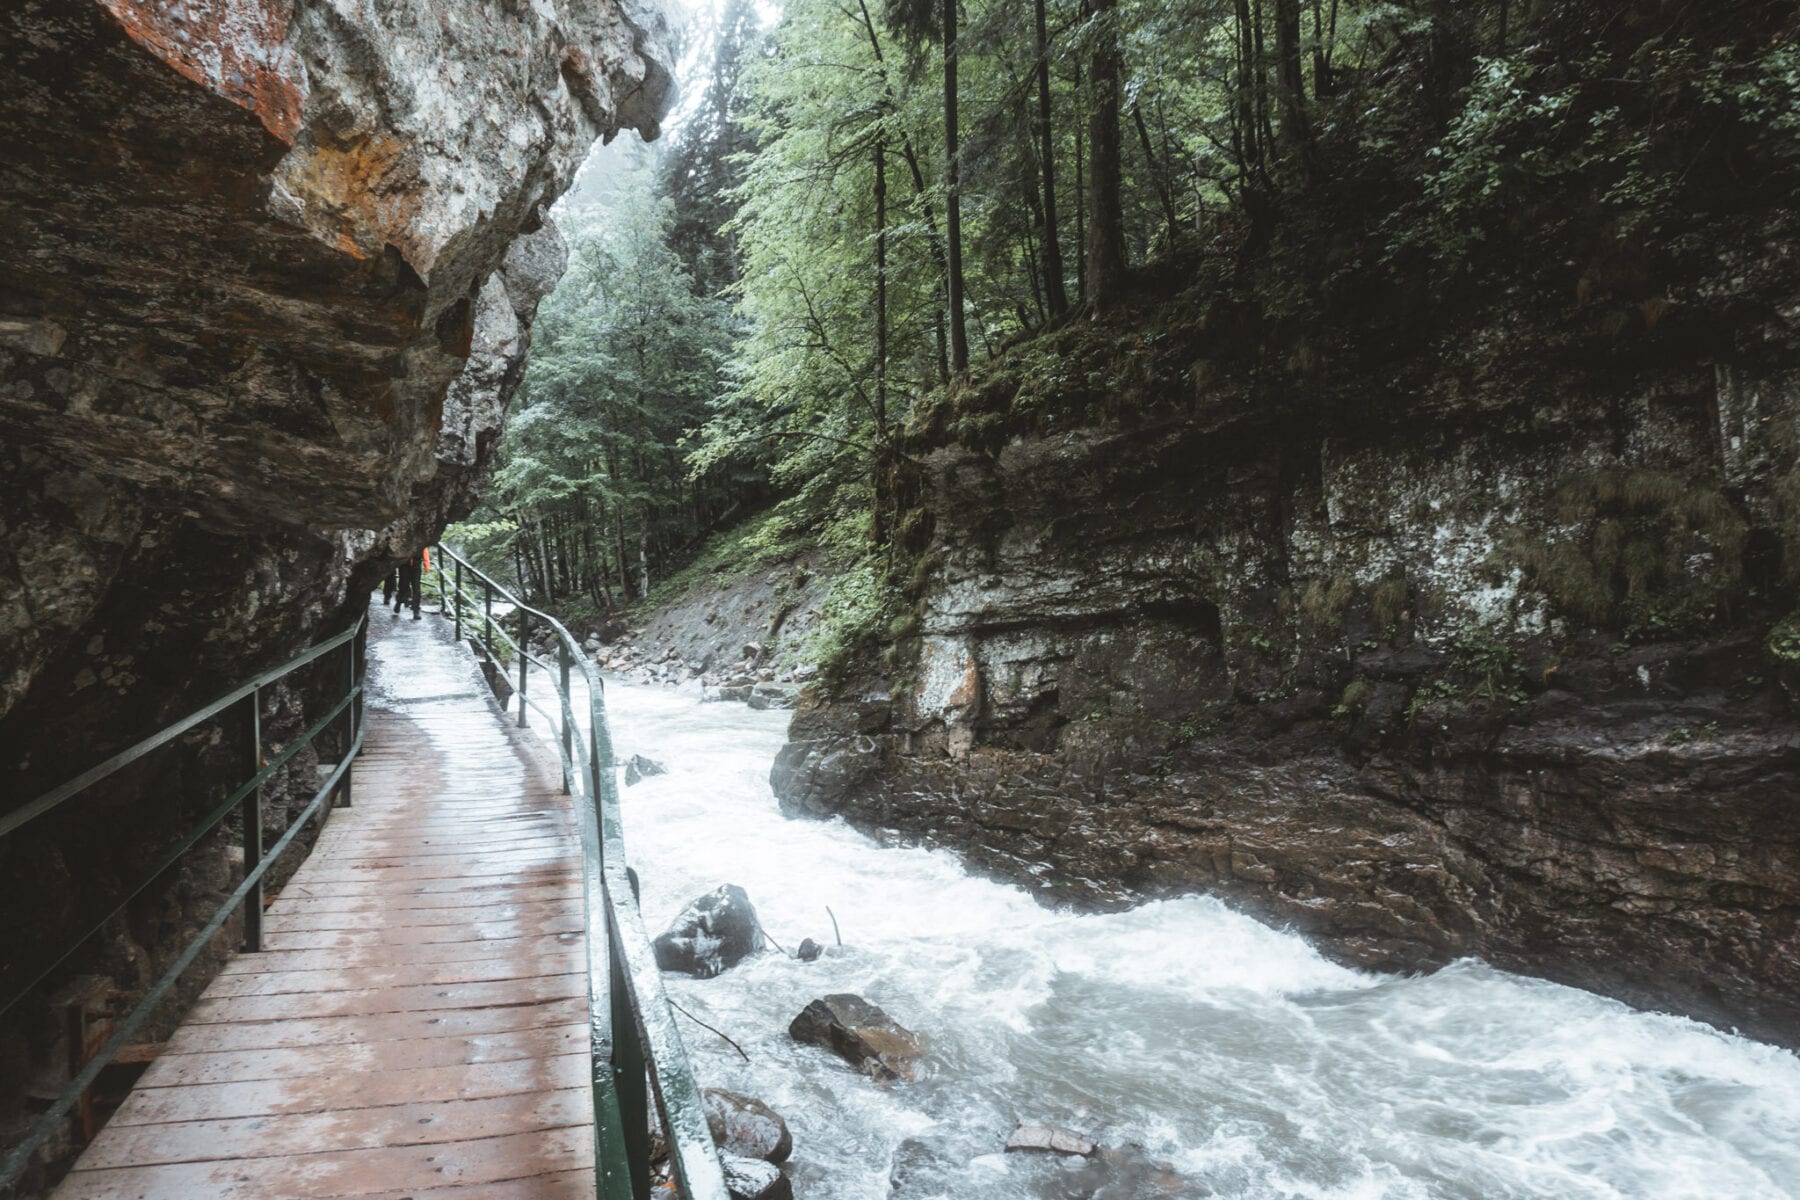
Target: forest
<point>864,212</point>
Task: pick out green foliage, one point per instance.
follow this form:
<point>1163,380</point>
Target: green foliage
<point>1641,549</point>
<point>626,357</point>
<point>1324,601</point>
<point>1387,601</point>
<point>487,544</point>
<point>1783,642</point>
<point>777,534</point>
<point>1535,130</point>
<point>1481,652</point>
<point>1352,703</point>
<point>860,606</point>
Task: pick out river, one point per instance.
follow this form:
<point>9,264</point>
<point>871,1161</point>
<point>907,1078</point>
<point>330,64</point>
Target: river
<point>1224,1048</point>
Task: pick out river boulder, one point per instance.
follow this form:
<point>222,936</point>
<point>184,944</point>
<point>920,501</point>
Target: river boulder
<point>638,768</point>
<point>746,1127</point>
<point>774,695</point>
<point>1051,1138</point>
<point>713,933</point>
<point>754,1179</point>
<point>861,1034</point>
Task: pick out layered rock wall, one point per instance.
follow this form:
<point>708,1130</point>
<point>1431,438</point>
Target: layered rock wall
<point>1481,652</point>
<point>267,284</point>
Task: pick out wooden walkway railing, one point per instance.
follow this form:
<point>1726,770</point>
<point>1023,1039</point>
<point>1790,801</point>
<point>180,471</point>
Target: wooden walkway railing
<point>421,1020</point>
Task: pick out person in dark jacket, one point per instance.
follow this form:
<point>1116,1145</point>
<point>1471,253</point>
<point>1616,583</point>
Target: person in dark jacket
<point>410,573</point>
<point>389,585</point>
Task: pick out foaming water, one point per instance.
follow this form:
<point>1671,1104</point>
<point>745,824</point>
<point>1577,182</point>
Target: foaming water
<point>1229,1050</point>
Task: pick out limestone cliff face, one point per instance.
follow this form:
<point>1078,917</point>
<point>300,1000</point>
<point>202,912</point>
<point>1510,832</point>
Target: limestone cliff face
<point>267,282</point>
<point>1479,651</point>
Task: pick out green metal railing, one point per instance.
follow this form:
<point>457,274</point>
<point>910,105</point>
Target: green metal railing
<point>635,1049</point>
<point>248,894</point>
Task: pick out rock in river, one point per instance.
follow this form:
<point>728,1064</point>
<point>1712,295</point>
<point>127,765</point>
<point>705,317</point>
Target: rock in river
<point>747,1127</point>
<point>714,932</point>
<point>859,1032</point>
<point>1049,1137</point>
<point>638,767</point>
<point>773,695</point>
<point>754,1179</point>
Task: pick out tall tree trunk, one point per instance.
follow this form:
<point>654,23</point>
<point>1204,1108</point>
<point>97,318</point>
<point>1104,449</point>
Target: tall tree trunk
<point>911,157</point>
<point>959,333</point>
<point>644,554</point>
<point>1081,276</point>
<point>1106,221</point>
<point>1244,95</point>
<point>1159,175</point>
<point>1260,77</point>
<point>1321,50</point>
<point>1290,87</point>
<point>1055,294</point>
<point>519,560</point>
<point>619,559</point>
<point>548,591</point>
<point>881,315</point>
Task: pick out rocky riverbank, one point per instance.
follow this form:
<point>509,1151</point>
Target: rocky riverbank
<point>1484,649</point>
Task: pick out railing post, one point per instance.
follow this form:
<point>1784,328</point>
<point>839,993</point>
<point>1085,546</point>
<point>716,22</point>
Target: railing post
<point>459,599</point>
<point>593,780</point>
<point>487,620</point>
<point>350,715</point>
<point>252,817</point>
<point>524,659</point>
<point>568,707</point>
<point>630,1082</point>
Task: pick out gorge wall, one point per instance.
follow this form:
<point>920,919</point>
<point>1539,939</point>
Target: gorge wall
<point>1469,643</point>
<point>267,285</point>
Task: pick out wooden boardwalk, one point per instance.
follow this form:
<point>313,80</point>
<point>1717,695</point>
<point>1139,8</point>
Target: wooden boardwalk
<point>416,1026</point>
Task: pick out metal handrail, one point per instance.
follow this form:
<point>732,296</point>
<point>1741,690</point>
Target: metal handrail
<point>248,893</point>
<point>634,1046</point>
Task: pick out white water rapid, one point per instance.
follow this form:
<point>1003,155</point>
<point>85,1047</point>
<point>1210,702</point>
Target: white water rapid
<point>1227,1049</point>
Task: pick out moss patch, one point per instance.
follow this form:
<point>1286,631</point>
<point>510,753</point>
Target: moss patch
<point>1648,552</point>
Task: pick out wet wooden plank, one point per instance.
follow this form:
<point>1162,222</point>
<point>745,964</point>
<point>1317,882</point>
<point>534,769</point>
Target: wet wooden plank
<point>416,1026</point>
<point>382,1116</point>
<point>395,954</point>
<point>476,1165</point>
<point>348,1091</point>
<point>177,1070</point>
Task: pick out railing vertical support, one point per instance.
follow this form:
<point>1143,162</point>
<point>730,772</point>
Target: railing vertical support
<point>524,660</point>
<point>631,1083</point>
<point>253,839</point>
<point>350,720</point>
<point>568,744</point>
<point>459,597</point>
<point>487,620</point>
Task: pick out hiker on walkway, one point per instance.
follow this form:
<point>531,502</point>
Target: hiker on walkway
<point>389,585</point>
<point>411,576</point>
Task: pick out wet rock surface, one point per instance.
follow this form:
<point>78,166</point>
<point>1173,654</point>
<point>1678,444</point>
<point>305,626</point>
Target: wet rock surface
<point>638,768</point>
<point>862,1035</point>
<point>712,934</point>
<point>1051,1138</point>
<point>774,695</point>
<point>746,1127</point>
<point>734,637</point>
<point>754,1179</point>
<point>268,287</point>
